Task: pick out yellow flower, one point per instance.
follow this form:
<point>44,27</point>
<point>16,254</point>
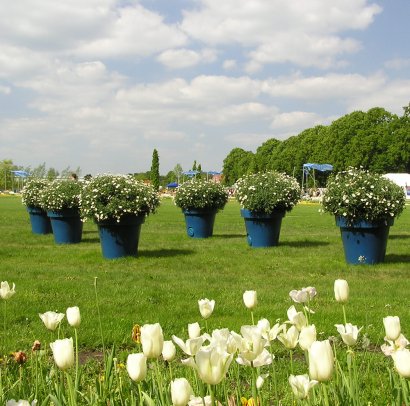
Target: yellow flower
<point>136,334</point>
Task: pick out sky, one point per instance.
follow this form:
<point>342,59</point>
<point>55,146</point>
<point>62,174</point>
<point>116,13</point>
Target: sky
<point>100,84</point>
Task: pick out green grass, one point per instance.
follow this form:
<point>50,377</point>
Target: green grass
<point>173,271</point>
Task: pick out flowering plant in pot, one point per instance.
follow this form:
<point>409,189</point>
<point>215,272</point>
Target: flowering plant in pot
<point>31,198</point>
<point>118,204</point>
<point>265,198</point>
<point>368,203</point>
<point>61,200</point>
<point>200,200</point>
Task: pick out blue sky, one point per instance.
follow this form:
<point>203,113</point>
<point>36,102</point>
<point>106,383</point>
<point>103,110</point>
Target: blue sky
<point>100,83</point>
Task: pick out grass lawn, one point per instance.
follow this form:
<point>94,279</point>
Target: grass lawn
<point>173,271</point>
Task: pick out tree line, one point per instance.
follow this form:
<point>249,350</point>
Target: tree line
<point>376,140</point>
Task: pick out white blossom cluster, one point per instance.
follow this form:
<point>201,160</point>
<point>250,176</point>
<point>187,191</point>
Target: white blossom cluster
<point>266,192</point>
<point>31,193</point>
<point>61,194</point>
<point>201,194</point>
<point>357,194</point>
<point>107,197</point>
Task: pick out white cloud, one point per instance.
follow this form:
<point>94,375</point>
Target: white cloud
<point>398,63</point>
<point>296,120</point>
<point>229,64</point>
<point>306,33</point>
<point>5,89</point>
<point>185,58</point>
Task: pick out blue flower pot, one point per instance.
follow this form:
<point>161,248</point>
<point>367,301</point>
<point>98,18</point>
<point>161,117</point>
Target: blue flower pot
<point>67,226</point>
<point>40,222</point>
<point>120,239</point>
<point>364,242</point>
<point>262,229</point>
<point>199,222</point>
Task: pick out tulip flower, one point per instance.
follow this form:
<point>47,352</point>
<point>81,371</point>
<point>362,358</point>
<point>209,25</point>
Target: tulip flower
<point>400,343</point>
<point>5,291</point>
<point>212,364</point>
<point>264,358</point>
<point>250,343</point>
<point>20,402</point>
<point>168,351</point>
<point>321,361</point>
<point>341,289</point>
<point>260,380</point>
<point>307,336</point>
<point>296,318</point>
<point>198,401</point>
<point>137,367</point>
<point>349,333</point>
<point>152,340</point>
<point>301,385</point>
<point>392,327</point>
<point>63,353</point>
<point>73,316</point>
<point>194,330</point>
<point>181,392</point>
<point>268,333</point>
<point>401,360</point>
<point>304,295</point>
<point>250,299</point>
<point>51,319</point>
<point>289,338</point>
<point>206,307</point>
<point>191,346</point>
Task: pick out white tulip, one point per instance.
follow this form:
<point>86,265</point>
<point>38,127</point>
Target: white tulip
<point>137,366</point>
<point>392,327</point>
<point>198,401</point>
<point>152,340</point>
<point>206,307</point>
<point>212,365</point>
<point>321,361</point>
<point>307,336</point>
<point>191,346</point>
<point>168,351</point>
<point>296,318</point>
<point>250,299</point>
<point>63,353</point>
<point>20,402</point>
<point>51,319</point>
<point>73,316</point>
<point>401,360</point>
<point>349,333</point>
<point>260,380</point>
<point>5,291</point>
<point>194,330</point>
<point>341,289</point>
<point>289,338</point>
<point>301,384</point>
<point>250,343</point>
<point>303,295</point>
<point>181,392</point>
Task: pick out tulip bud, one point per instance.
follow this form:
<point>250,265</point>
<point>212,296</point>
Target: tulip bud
<point>401,360</point>
<point>206,307</point>
<point>250,299</point>
<point>51,319</point>
<point>152,340</point>
<point>307,336</point>
<point>341,289</point>
<point>321,361</point>
<point>63,353</point>
<point>392,327</point>
<point>168,351</point>
<point>181,392</point>
<point>194,331</point>
<point>5,291</point>
<point>73,316</point>
<point>137,367</point>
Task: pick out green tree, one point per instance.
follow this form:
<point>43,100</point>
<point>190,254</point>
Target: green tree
<point>236,164</point>
<point>52,174</point>
<point>6,166</point>
<point>155,170</point>
<point>194,166</point>
<point>177,172</point>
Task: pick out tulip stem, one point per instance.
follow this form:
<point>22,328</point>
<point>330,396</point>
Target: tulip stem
<point>291,361</point>
<point>325,397</point>
<point>4,327</point>
<point>254,389</point>
<point>76,365</point>
<point>253,321</point>
<point>344,313</point>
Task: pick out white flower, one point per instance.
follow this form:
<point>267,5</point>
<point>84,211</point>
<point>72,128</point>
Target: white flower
<point>250,299</point>
<point>301,384</point>
<point>5,291</point>
<point>73,316</point>
<point>206,307</point>
<point>51,319</point>
<point>349,333</point>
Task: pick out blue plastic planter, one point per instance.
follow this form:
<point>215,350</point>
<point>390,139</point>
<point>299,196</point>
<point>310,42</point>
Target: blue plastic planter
<point>364,242</point>
<point>120,239</point>
<point>67,226</point>
<point>199,223</point>
<point>40,222</point>
<point>262,229</point>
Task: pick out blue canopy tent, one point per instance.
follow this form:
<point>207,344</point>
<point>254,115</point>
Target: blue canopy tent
<point>172,185</point>
<point>21,175</point>
<point>212,173</point>
<point>309,170</point>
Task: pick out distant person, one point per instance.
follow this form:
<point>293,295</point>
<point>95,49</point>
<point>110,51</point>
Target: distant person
<point>74,176</point>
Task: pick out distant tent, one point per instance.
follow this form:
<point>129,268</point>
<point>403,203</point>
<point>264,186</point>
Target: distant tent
<point>309,170</point>
<point>172,185</point>
<point>20,174</point>
<point>190,173</point>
